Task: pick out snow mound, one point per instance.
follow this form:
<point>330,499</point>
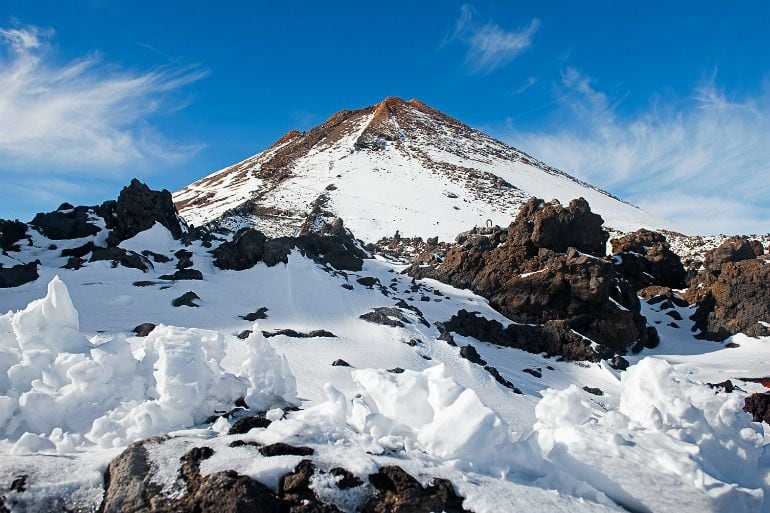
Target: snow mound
<point>62,391</point>
<point>671,440</point>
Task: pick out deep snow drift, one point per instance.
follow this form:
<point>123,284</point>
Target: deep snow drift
<point>658,441</point>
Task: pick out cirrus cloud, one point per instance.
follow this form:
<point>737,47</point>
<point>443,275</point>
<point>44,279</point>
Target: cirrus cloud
<point>84,114</point>
<point>701,161</point>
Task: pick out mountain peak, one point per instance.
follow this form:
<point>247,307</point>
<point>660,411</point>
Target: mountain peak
<point>396,165</point>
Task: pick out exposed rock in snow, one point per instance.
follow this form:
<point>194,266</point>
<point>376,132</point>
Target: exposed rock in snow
<point>644,259</point>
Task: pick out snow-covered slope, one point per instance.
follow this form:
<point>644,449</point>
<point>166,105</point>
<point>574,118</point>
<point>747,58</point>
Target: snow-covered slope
<point>78,386</point>
<point>393,166</point>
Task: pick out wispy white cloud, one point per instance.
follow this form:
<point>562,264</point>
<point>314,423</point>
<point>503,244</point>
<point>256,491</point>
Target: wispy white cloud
<point>489,45</point>
<point>703,161</point>
<point>84,115</point>
<point>529,82</point>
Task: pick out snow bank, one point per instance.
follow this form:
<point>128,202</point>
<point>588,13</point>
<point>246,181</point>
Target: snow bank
<point>62,391</point>
<point>670,441</point>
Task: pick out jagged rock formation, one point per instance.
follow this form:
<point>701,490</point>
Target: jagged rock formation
<point>138,208</point>
<point>575,296</point>
<point>644,258</point>
<point>731,292</point>
<point>18,274</point>
<point>332,245</point>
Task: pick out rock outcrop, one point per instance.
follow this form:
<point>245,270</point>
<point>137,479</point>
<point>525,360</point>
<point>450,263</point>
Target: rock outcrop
<point>546,270</point>
<point>731,293</point>
<point>18,274</point>
<point>644,258</point>
<point>398,492</point>
<point>137,209</point>
<point>332,245</point>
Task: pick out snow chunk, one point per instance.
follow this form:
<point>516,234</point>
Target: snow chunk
<point>59,386</point>
<point>671,441</point>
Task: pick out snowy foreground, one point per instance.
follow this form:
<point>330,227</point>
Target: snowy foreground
<point>78,387</point>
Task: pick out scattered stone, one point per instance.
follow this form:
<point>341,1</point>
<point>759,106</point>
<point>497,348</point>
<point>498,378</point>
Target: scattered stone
<point>674,315</point>
<point>593,390</point>
<point>368,281</point>
<point>186,299</point>
<point>243,335</point>
<point>246,424</point>
<point>759,407</point>
<point>184,259</point>
<point>282,449</point>
<point>396,370</point>
<point>340,363</point>
<point>287,332</point>
<point>243,443</point>
<point>500,379</point>
<point>156,257</point>
<point>472,355</point>
<point>538,373</point>
<point>619,363</point>
<point>387,316</point>
<point>345,479</point>
<point>18,274</point>
<point>120,256</point>
<point>398,492</point>
<point>183,274</point>
<point>725,386</point>
<point>347,286</point>
<point>261,313</point>
<point>144,329</point>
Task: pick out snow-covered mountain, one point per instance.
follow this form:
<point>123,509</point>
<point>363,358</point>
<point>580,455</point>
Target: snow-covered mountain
<point>398,165</point>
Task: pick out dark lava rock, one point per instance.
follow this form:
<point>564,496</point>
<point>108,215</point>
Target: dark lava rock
<point>655,294</point>
<point>184,258</point>
<point>282,449</point>
<point>336,248</point>
<point>565,294</point>
<point>674,315</point>
<point>345,479</point>
<point>120,256</point>
<point>183,274</point>
<point>143,329</point>
<point>736,299</point>
<point>725,386</point>
<point>734,249</point>
<point>243,335</point>
<point>538,373</point>
<point>18,274</point>
<point>79,251</point>
<point>261,313</point>
<point>619,363</point>
<point>500,379</point>
<point>644,258</point>
<point>11,232</point>
<point>186,299</point>
<point>340,363</point>
<point>296,334</point>
<point>368,281</point>
<point>593,390</point>
<point>296,485</point>
<point>243,443</point>
<point>554,338</point>
<point>137,209</point>
<point>156,257</point>
<point>469,353</point>
<point>552,226</point>
<point>398,492</point>
<point>246,424</point>
<point>759,407</point>
<point>71,223</point>
<point>396,370</point>
<point>387,316</point>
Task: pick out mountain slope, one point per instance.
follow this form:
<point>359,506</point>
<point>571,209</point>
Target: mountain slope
<point>393,166</point>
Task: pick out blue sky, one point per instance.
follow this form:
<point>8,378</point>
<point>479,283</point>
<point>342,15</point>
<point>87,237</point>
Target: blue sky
<point>666,105</point>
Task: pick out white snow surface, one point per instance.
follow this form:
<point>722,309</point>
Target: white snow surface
<point>76,386</point>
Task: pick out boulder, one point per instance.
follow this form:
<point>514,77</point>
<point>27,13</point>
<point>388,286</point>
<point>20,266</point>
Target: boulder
<point>137,209</point>
<point>18,274</point>
<point>67,223</point>
<point>11,232</point>
<point>398,492</point>
<point>186,299</point>
<point>734,249</point>
<point>735,299</point>
<point>120,256</point>
<point>644,258</point>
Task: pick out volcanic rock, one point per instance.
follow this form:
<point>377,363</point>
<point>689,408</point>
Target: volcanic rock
<point>137,209</point>
<point>398,492</point>
<point>11,232</point>
<point>644,258</point>
<point>18,274</point>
